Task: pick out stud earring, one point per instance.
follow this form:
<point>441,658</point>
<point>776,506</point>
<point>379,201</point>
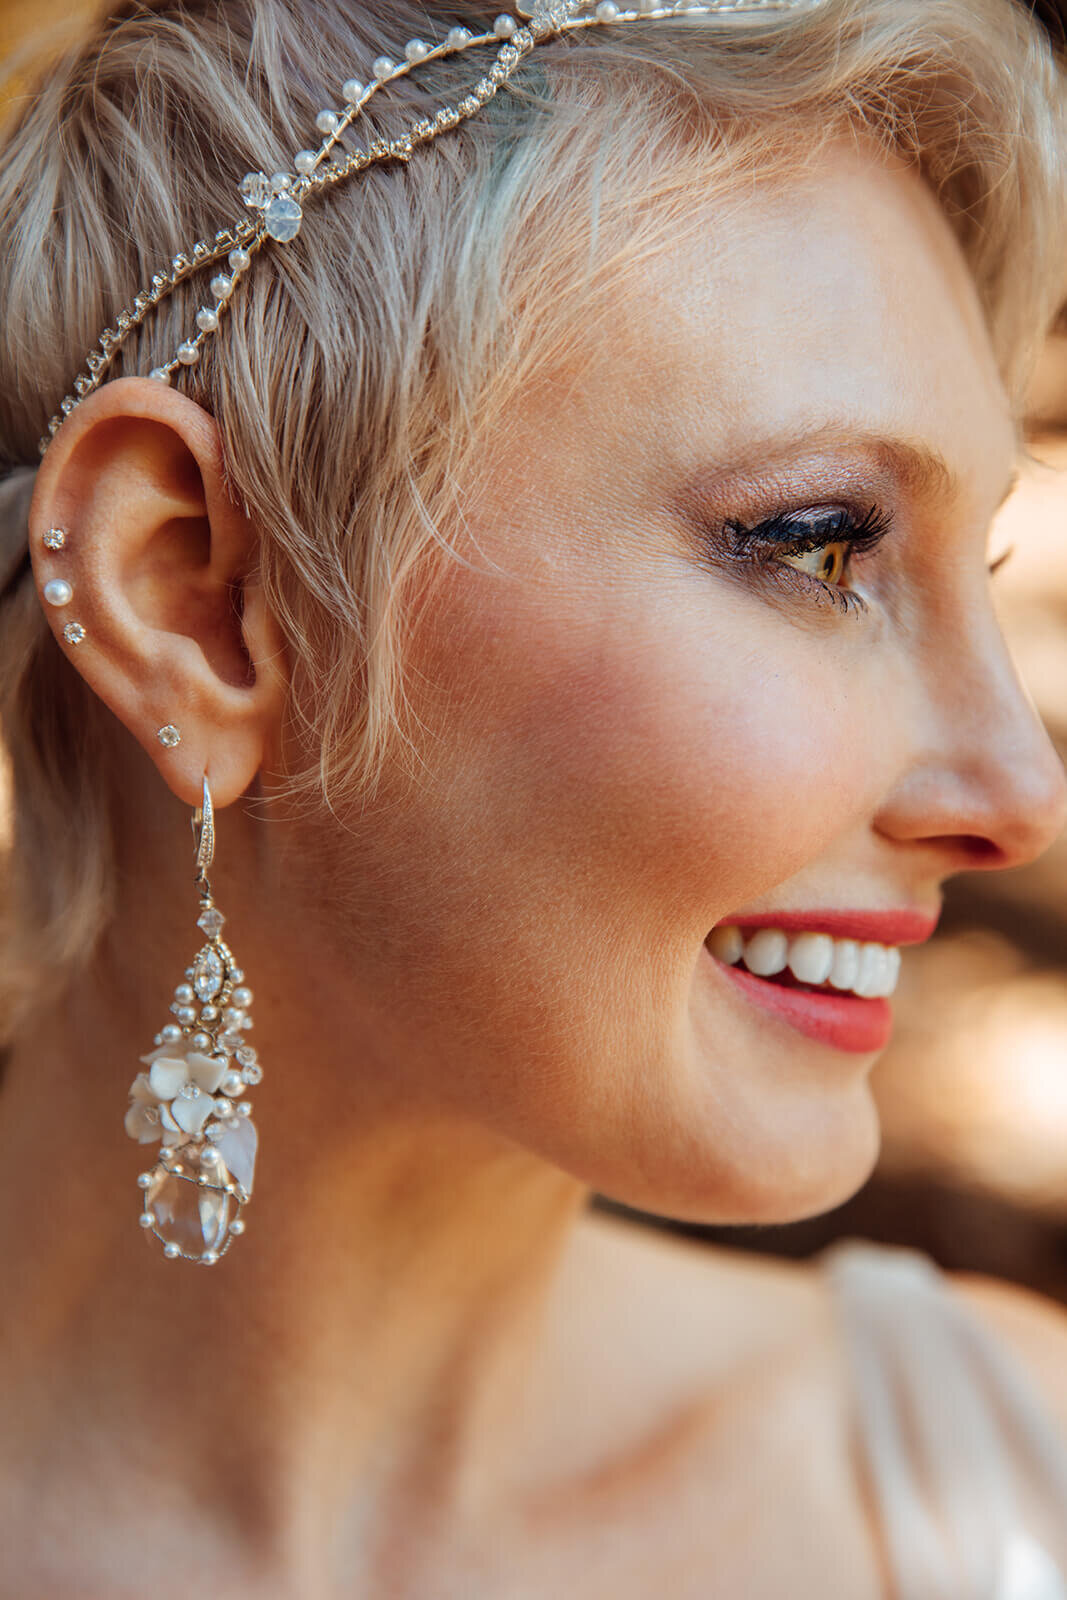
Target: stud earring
<point>189,1098</point>
<point>54,539</point>
<point>169,735</point>
<point>58,592</point>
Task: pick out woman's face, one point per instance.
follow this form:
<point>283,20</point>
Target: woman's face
<point>649,712</point>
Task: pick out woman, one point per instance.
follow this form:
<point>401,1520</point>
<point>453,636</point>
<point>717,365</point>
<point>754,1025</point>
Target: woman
<point>566,559</point>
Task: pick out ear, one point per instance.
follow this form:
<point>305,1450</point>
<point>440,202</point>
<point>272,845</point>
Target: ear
<point>161,567</point>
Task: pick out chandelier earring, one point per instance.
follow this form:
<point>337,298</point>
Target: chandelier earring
<point>190,1097</point>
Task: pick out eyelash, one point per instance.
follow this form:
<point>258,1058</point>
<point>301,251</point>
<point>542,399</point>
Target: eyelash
<point>793,533</point>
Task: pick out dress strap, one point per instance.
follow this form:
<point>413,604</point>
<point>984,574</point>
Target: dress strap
<point>966,1472</point>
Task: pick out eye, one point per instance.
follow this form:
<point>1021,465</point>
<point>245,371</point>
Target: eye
<point>827,562</point>
<point>816,543</point>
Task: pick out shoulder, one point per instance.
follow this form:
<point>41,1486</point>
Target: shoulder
<point>723,1376</point>
<point>1031,1326</point>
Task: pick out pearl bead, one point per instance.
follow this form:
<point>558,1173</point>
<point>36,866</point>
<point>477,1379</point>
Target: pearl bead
<point>416,50</point>
<point>207,319</point>
<point>144,1179</point>
<point>237,1227</point>
<point>304,161</point>
<point>238,260</point>
<point>145,1219</point>
<point>456,38</point>
<point>232,1017</point>
<point>327,121</point>
<point>351,90</point>
<point>607,11</point>
<point>382,67</point>
<point>170,1033</point>
<point>186,1015</point>
<point>171,1251</point>
<point>209,1014</point>
<point>160,374</point>
<point>188,353</point>
<point>233,1084</point>
<point>221,286</point>
<point>209,1257</point>
<point>201,1041</point>
<point>58,592</point>
<point>242,997</point>
<point>245,1108</point>
<point>504,26</point>
<point>223,1108</point>
<point>184,994</point>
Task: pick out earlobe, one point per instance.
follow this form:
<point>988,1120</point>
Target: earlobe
<point>145,569</point>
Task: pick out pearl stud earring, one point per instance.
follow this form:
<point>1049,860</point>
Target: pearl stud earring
<point>58,592</point>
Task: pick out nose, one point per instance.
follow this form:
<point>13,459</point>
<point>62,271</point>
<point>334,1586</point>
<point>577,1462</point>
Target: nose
<point>985,785</point>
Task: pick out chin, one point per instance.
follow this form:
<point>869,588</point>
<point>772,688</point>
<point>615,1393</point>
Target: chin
<point>799,1170</point>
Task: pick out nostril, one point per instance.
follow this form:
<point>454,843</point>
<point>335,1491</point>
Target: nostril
<point>981,852</point>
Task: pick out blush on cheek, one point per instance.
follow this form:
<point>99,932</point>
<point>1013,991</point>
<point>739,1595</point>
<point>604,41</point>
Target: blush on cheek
<point>684,777</point>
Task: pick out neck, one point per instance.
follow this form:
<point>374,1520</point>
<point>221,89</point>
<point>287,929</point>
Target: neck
<point>369,1333</point>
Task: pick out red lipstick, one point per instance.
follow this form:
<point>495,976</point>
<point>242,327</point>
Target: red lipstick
<point>868,927</point>
<point>842,1020</point>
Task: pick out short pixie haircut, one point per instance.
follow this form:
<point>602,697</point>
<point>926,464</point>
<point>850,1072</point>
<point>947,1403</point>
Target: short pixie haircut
<point>361,370</point>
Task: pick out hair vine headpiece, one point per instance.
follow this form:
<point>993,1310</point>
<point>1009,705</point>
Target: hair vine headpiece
<point>276,202</point>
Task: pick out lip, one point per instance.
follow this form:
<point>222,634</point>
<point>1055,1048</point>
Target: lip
<point>842,1021</point>
<point>868,927</point>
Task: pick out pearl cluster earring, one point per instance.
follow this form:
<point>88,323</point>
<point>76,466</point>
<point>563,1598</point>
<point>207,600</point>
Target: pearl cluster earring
<point>190,1096</point>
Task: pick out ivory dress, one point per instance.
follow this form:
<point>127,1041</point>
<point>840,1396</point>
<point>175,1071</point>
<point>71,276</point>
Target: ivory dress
<point>966,1470</point>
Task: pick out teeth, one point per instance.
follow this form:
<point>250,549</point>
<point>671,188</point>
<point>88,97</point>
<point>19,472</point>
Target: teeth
<point>811,956</point>
<point>726,943</point>
<point>767,952</point>
<point>845,969</point>
<point>869,970</point>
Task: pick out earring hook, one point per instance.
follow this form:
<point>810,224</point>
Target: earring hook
<point>204,834</point>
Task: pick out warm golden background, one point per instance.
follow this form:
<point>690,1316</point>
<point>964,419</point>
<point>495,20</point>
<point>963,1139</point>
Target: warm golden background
<point>973,1092</point>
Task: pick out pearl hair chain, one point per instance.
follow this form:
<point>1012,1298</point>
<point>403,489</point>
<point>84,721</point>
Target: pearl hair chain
<point>276,202</point>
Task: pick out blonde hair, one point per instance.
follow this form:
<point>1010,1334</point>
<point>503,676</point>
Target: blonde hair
<point>360,370</point>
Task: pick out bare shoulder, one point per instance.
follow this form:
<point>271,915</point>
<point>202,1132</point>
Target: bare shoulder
<point>1031,1325</point>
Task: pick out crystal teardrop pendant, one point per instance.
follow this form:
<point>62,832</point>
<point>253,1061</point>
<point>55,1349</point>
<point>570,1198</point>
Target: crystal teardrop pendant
<point>189,1098</point>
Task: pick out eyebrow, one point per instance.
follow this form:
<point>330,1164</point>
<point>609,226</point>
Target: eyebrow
<point>922,471</point>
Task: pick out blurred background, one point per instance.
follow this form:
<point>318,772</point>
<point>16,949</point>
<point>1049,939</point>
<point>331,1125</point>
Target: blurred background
<point>973,1091</point>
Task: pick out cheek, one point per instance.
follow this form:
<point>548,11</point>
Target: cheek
<point>667,761</point>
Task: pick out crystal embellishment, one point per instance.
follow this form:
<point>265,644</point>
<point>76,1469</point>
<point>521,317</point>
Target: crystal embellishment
<point>255,190</point>
<point>189,1203</point>
<point>211,921</point>
<point>74,633</point>
<point>208,974</point>
<point>282,218</point>
<point>169,736</point>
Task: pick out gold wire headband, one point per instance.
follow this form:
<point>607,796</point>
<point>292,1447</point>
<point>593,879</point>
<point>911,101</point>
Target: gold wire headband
<point>276,202</point>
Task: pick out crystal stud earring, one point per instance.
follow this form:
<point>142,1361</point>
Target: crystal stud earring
<point>169,735</point>
<point>54,539</point>
<point>190,1096</point>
